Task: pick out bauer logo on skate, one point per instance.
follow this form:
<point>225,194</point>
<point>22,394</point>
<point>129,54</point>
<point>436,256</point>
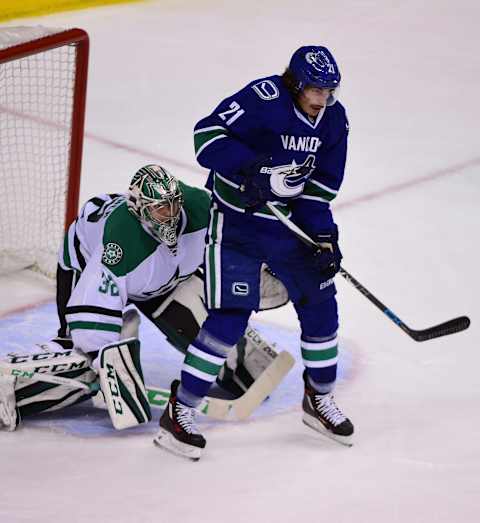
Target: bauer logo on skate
<point>112,254</point>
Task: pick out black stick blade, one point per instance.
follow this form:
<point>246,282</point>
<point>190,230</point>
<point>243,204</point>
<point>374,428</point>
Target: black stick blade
<point>443,329</point>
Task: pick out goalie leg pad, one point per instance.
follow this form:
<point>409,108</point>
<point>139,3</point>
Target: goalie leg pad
<point>33,395</point>
<point>8,411</point>
<point>122,384</point>
<point>245,362</point>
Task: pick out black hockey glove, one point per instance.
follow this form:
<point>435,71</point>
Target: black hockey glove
<point>328,257</point>
<point>256,190</point>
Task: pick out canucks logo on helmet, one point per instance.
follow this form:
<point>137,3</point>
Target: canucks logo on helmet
<point>315,66</point>
<point>155,198</point>
<point>320,62</point>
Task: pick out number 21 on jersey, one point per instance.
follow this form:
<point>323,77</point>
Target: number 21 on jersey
<point>232,114</point>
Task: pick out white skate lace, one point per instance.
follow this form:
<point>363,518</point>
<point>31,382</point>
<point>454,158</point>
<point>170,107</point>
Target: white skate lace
<point>327,408</point>
<point>186,418</point>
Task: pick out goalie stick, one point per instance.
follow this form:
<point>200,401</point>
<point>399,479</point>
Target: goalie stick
<point>221,409</point>
<point>443,329</point>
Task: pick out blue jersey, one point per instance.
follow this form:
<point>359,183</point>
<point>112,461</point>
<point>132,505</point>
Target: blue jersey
<point>262,119</point>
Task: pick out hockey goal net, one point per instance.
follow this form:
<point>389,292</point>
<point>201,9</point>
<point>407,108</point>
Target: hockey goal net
<point>43,78</point>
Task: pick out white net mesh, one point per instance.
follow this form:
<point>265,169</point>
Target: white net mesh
<point>36,99</point>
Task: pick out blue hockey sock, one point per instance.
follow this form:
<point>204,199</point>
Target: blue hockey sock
<point>320,356</point>
<point>203,361</point>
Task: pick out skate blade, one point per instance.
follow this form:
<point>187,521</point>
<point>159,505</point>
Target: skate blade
<point>167,441</point>
<point>318,426</point>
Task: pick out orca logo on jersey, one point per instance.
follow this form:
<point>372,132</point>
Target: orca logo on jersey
<point>288,180</point>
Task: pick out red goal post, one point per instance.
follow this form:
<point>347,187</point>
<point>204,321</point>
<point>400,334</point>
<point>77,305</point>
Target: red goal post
<point>43,81</point>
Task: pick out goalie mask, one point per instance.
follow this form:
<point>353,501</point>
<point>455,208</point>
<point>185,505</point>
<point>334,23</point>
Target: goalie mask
<point>315,66</point>
<point>155,198</point>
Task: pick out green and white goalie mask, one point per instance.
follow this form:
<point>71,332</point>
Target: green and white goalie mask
<point>155,198</point>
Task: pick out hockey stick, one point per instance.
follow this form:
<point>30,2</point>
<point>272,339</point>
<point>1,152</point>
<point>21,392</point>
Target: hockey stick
<point>216,408</point>
<point>239,408</point>
<point>443,329</point>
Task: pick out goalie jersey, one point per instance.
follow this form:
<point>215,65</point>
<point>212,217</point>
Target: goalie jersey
<point>259,121</point>
<point>118,260</point>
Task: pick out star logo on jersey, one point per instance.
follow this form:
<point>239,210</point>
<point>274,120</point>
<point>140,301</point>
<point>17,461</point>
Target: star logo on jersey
<point>112,254</point>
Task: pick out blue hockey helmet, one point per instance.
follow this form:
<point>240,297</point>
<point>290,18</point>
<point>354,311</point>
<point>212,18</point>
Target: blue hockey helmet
<point>314,66</point>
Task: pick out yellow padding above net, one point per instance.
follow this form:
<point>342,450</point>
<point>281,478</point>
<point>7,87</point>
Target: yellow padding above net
<point>11,9</point>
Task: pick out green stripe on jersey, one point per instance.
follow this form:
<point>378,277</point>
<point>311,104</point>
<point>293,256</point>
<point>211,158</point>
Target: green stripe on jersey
<point>313,190</point>
<point>203,136</point>
<point>210,258</point>
<point>94,326</point>
<point>196,204</point>
<point>66,253</point>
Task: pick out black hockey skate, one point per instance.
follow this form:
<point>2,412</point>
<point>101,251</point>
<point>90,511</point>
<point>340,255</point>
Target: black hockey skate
<point>178,433</point>
<point>322,414</point>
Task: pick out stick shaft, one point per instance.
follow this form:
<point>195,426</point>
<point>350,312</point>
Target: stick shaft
<point>443,329</point>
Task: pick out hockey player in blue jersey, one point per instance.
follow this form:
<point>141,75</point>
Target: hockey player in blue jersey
<point>280,139</point>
